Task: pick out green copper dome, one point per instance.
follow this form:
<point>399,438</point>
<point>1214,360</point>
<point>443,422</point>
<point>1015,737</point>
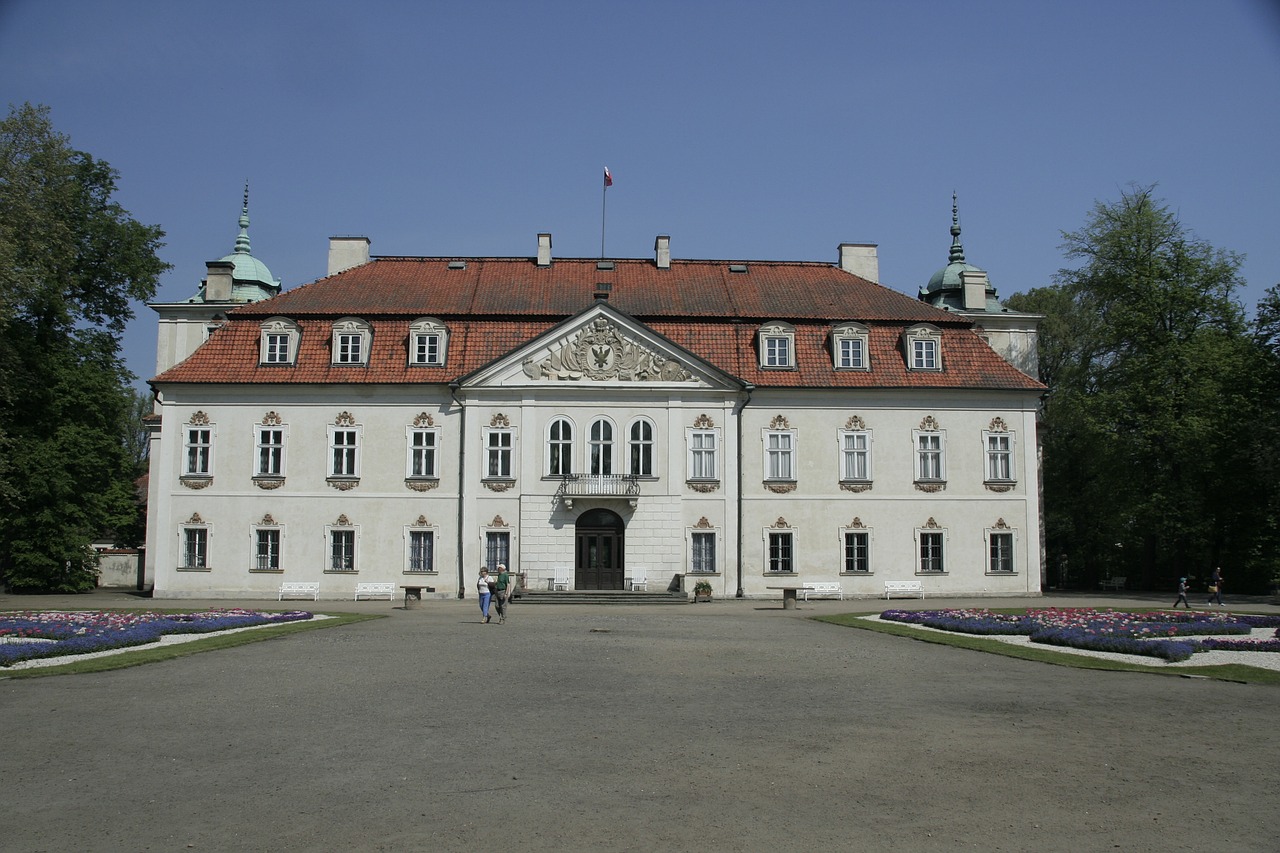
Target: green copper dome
<point>946,287</point>
<point>251,279</point>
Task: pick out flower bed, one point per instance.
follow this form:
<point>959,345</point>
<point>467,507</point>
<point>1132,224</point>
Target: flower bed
<point>1146,633</point>
<point>42,634</point>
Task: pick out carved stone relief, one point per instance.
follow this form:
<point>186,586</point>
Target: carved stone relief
<point>599,352</point>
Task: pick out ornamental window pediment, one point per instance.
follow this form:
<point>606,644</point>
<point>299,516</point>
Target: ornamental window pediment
<point>428,342</point>
<point>351,339</point>
<point>278,341</point>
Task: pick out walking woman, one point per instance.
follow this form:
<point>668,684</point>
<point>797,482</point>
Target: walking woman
<point>486,594</point>
<point>1215,587</point>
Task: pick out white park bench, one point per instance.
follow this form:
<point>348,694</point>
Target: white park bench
<point>372,590</point>
<point>1114,583</point>
<point>827,589</point>
<point>293,589</point>
<point>904,587</point>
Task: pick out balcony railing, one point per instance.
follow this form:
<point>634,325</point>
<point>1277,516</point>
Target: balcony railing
<point>598,485</point>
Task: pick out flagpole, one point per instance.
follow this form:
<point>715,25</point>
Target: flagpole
<point>604,198</point>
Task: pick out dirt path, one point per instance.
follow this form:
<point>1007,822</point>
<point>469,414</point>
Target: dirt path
<point>732,726</point>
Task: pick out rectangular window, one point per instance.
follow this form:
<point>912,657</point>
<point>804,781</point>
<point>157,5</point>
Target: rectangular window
<point>199,451</point>
<point>924,354</point>
<point>929,455</point>
<point>777,352</point>
<point>931,552</point>
<point>780,559</point>
<point>349,349</point>
<point>855,453</point>
<point>999,457</point>
<point>345,448</point>
<point>426,349</point>
<point>268,550</point>
<point>277,349</point>
<point>1001,546</point>
<point>702,455</point>
<point>422,453</point>
<point>498,450</point>
<point>422,551</point>
<point>497,549</point>
<point>270,452</point>
<point>856,551</point>
<point>780,456</point>
<point>704,553</point>
<point>342,550</point>
<point>195,548</point>
<point>852,354</point>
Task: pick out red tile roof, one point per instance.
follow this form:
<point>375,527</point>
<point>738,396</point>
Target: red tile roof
<point>495,305</point>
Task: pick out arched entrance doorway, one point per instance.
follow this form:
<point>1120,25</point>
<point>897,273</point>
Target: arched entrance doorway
<point>598,550</point>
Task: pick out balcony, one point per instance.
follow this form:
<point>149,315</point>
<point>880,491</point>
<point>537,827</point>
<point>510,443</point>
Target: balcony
<point>598,486</point>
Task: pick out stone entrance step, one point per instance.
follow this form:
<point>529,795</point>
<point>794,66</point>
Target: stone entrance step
<point>600,596</point>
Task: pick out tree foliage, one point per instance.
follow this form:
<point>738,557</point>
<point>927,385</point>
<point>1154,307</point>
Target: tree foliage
<point>71,263</point>
<point>1149,433</point>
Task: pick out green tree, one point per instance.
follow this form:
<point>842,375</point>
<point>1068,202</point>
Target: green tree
<point>71,262</point>
<point>1148,469</point>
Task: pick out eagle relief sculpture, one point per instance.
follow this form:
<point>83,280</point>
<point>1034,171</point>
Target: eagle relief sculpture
<point>600,352</point>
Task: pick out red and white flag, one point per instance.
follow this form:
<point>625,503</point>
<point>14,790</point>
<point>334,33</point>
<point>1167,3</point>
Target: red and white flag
<point>608,177</point>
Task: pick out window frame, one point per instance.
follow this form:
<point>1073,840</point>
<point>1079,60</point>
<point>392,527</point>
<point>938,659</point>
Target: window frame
<point>697,456</point>
<point>1009,550</point>
<point>779,550</point>
<point>939,454</point>
<point>273,329</point>
<point>600,444</point>
<point>410,550</point>
<point>779,454</point>
<point>430,455</point>
<point>935,541</point>
<point>257,533</point>
<point>496,452</point>
<point>850,333</point>
<point>351,339</point>
<point>640,448</point>
<point>269,456</point>
<point>847,453</point>
<point>697,552</point>
<point>333,533</point>
<point>861,554</point>
<point>350,452</point>
<point>991,455</point>
<point>200,535</point>
<point>497,544</point>
<point>198,454</point>
<point>773,337</point>
<point>426,328</point>
<point>560,447</point>
<point>923,348</point>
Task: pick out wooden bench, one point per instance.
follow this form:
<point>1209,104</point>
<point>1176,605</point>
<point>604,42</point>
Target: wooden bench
<point>904,587</point>
<point>372,590</point>
<point>1113,583</point>
<point>827,589</point>
<point>299,590</point>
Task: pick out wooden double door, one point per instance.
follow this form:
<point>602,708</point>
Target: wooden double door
<point>599,554</point>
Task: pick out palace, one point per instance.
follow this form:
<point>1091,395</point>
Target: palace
<point>750,423</point>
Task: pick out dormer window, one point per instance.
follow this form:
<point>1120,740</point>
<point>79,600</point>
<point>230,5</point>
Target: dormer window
<point>777,346</point>
<point>427,342</point>
<point>278,343</point>
<point>849,347</point>
<point>351,338</point>
<point>923,348</point>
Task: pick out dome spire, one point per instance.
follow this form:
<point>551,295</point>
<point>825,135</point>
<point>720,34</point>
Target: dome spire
<point>957,250</point>
<point>242,242</point>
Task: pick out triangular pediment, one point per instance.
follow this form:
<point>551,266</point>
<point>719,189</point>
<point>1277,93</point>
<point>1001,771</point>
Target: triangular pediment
<point>601,346</point>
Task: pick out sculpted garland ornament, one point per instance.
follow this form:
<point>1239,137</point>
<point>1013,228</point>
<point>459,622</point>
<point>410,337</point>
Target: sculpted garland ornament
<point>599,352</point>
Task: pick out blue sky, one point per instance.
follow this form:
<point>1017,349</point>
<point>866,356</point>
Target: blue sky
<point>744,130</point>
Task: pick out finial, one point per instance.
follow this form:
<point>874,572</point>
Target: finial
<point>242,242</point>
<point>957,251</point>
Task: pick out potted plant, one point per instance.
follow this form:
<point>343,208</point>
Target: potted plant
<point>702,591</point>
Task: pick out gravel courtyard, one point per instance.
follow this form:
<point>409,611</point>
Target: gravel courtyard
<point>729,726</point>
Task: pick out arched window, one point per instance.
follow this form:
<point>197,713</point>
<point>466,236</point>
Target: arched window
<point>601,448</point>
<point>560,448</point>
<point>641,449</point>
